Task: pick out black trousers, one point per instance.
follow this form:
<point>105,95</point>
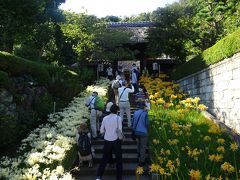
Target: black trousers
<point>109,147</point>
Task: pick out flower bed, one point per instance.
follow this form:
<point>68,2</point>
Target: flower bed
<point>184,144</point>
<point>48,152</point>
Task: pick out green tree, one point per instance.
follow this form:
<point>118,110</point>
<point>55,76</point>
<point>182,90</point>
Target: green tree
<point>92,38</point>
<point>111,42</point>
<point>111,19</point>
<point>46,40</point>
<point>140,17</point>
<point>171,33</point>
<point>212,19</point>
<point>28,24</point>
<point>17,18</point>
<point>80,32</point>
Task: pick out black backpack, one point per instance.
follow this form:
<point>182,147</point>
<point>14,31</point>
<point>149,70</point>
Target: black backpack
<point>84,144</point>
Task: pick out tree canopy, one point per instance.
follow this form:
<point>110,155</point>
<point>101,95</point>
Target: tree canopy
<point>38,30</point>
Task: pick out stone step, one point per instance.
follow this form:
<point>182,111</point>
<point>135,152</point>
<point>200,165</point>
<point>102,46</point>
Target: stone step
<point>112,177</point>
<point>128,169</point>
<point>127,129</point>
<point>127,141</point>
<point>125,148</point>
<point>126,157</point>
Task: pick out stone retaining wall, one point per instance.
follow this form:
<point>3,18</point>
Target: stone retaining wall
<point>218,86</point>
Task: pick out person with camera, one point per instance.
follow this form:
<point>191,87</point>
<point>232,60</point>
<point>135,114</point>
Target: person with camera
<point>124,103</point>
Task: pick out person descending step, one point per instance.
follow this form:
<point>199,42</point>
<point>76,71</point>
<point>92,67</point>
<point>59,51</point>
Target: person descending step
<point>124,103</point>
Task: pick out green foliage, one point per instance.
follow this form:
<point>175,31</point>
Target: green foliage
<point>91,39</point>
<point>189,138</point>
<point>26,52</point>
<point>19,19</point>
<point>140,17</point>
<point>27,120</point>
<point>43,105</point>
<point>171,33</point>
<point>80,31</point>
<point>69,160</point>
<point>111,19</point>
<point>210,18</point>
<point>224,48</point>
<point>8,131</point>
<point>188,27</point>
<point>65,84</point>
<point>58,84</point>
<point>4,79</point>
<point>16,66</point>
<point>87,75</point>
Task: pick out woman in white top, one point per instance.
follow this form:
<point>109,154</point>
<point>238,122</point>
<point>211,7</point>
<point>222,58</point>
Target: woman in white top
<point>109,127</point>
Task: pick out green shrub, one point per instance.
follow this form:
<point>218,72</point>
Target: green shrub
<point>17,66</point>
<point>61,83</point>
<point>43,105</point>
<point>27,52</point>
<point>4,79</point>
<point>8,131</point>
<point>86,75</point>
<point>224,48</point>
<point>65,84</point>
<point>71,156</point>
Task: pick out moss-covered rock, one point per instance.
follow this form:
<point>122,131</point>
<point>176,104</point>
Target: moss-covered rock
<point>16,66</point>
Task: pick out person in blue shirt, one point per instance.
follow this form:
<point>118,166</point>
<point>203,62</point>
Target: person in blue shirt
<point>139,126</point>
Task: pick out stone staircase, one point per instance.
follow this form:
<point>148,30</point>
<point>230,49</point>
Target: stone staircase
<point>129,156</point>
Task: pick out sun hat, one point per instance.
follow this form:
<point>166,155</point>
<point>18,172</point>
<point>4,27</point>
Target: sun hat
<point>94,93</point>
<point>108,106</point>
<point>118,77</point>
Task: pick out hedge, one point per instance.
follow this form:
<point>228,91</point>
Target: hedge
<point>17,66</point>
<point>224,48</point>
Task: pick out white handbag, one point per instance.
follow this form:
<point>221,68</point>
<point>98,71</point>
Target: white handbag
<point>119,132</point>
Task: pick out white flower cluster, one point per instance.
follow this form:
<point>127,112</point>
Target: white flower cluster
<point>44,150</point>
